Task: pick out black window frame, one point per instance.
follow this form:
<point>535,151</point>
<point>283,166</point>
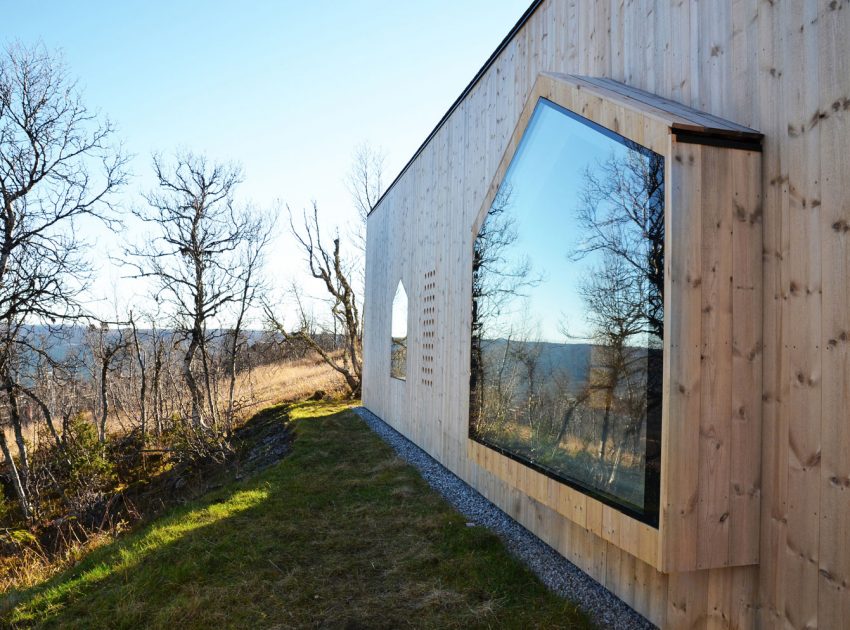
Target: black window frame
<point>650,514</point>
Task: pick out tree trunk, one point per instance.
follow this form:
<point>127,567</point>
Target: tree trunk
<point>615,466</point>
<point>232,386</point>
<point>565,422</point>
<point>208,385</point>
<point>16,478</point>
<point>606,421</point>
<point>19,476</point>
<point>191,383</point>
<point>48,417</point>
<point>104,397</point>
<point>143,386</point>
<point>157,389</point>
<point>17,426</point>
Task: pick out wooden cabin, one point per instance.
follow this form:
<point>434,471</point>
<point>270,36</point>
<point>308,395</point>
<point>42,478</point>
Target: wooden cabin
<point>624,258</point>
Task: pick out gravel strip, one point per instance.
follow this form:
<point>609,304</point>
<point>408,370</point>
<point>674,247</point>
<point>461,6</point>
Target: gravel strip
<point>556,572</point>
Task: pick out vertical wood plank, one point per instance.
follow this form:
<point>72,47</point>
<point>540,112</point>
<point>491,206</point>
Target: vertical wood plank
<point>715,360</point>
<point>834,526</point>
<point>802,288</point>
<point>682,370</point>
<point>770,114</point>
<point>747,348</point>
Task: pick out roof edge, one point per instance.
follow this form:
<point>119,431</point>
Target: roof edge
<point>490,61</point>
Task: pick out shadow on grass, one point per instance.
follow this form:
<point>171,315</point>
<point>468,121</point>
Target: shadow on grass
<point>340,534</point>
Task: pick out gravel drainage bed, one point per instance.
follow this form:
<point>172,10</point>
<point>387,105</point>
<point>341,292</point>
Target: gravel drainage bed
<point>558,573</point>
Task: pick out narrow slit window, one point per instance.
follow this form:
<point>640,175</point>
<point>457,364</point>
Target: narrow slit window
<point>398,350</point>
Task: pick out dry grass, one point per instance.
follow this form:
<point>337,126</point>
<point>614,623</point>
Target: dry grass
<point>289,381</point>
<point>31,567</point>
<point>264,386</point>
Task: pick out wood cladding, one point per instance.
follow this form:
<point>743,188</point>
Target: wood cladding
<point>630,535</point>
<point>711,432</point>
<point>711,443</point>
<point>781,68</point>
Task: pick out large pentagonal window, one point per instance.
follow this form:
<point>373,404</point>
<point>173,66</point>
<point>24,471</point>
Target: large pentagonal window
<point>568,320</point>
<point>398,350</point>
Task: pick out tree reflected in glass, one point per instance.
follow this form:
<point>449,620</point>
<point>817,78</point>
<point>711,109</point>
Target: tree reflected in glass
<point>567,315</point>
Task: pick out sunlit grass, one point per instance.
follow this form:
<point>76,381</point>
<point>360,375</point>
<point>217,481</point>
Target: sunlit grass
<point>340,534</point>
<point>308,410</point>
<point>122,558</point>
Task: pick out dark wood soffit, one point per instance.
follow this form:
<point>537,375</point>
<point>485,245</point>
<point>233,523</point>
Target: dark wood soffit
<point>687,124</point>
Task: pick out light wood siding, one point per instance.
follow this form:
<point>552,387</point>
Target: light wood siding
<point>778,67</point>
<point>711,435</point>
<point>711,476</point>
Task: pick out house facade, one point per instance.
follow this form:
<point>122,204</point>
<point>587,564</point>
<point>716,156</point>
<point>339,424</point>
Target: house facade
<point>611,291</point>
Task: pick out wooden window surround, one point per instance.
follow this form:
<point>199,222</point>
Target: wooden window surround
<point>711,419</point>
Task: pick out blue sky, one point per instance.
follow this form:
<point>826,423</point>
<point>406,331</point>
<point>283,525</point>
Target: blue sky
<point>546,177</point>
<point>287,89</point>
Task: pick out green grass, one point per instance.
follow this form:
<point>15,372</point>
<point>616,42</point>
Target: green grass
<point>340,534</point>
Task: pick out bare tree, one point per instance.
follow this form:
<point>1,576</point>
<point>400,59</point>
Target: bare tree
<point>156,378</point>
<point>613,295</point>
<point>141,358</point>
<point>499,277</point>
<point>622,212</point>
<point>194,255</point>
<point>342,275</point>
<point>105,345</point>
<point>250,288</point>
<point>327,265</point>
<point>622,216</point>
<point>57,167</point>
<point>365,183</point>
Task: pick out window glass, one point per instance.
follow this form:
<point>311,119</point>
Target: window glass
<point>398,352</point>
<point>568,320</point>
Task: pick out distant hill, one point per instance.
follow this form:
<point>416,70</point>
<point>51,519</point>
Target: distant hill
<point>64,342</point>
<point>568,359</point>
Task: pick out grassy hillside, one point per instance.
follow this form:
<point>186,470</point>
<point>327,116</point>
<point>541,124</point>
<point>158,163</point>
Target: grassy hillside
<point>340,534</point>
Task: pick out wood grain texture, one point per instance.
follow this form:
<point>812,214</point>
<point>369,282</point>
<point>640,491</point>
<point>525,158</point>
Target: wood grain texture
<point>635,538</point>
<point>711,463</point>
<point>834,239</point>
<point>780,68</point>
<point>711,511</point>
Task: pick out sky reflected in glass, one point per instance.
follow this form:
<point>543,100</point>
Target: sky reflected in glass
<point>568,320</point>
